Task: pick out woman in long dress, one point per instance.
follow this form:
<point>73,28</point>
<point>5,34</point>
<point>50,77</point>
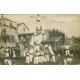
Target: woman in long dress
<point>52,54</point>
<point>31,52</point>
<point>46,53</point>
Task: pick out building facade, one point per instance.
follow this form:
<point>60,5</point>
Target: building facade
<point>8,31</point>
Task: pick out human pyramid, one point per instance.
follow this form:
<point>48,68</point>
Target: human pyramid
<point>40,54</point>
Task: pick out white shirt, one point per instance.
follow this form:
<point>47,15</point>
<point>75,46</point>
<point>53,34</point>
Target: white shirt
<point>67,47</point>
<point>50,49</point>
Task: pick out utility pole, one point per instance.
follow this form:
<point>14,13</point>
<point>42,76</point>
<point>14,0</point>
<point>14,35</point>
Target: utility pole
<point>2,22</point>
<point>3,29</point>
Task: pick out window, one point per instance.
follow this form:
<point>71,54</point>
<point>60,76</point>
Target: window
<point>23,29</point>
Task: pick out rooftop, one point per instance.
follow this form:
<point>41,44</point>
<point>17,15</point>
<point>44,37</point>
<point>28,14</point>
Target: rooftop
<point>53,39</point>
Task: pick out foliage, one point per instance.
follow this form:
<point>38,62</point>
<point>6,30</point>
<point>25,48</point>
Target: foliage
<point>76,40</point>
<point>57,33</point>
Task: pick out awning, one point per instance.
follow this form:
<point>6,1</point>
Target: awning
<point>53,39</point>
<point>26,34</point>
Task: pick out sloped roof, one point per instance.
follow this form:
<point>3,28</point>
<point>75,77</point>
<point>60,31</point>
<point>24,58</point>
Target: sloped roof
<point>22,24</point>
<point>53,39</point>
<point>9,23</point>
<point>29,34</point>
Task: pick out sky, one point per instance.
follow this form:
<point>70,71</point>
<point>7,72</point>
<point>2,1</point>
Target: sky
<point>63,22</point>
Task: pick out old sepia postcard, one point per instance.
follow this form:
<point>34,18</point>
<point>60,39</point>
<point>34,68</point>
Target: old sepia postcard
<point>39,39</point>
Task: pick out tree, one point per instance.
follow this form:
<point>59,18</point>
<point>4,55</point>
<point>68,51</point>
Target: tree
<point>56,33</point>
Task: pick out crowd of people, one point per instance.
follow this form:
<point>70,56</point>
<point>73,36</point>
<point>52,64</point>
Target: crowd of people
<point>37,54</point>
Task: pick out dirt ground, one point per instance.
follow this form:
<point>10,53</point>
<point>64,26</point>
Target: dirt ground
<point>21,61</point>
